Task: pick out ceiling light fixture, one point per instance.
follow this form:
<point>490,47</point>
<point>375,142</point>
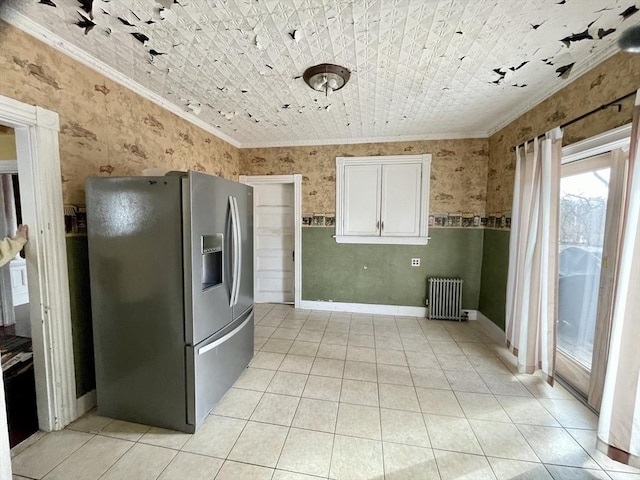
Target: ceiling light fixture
<point>629,41</point>
<point>326,77</point>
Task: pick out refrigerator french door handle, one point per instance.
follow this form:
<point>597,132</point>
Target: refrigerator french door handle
<point>234,270</point>
<point>221,340</point>
<point>236,251</point>
<point>239,249</point>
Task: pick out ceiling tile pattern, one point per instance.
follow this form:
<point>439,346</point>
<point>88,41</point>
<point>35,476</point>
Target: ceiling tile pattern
<point>420,68</point>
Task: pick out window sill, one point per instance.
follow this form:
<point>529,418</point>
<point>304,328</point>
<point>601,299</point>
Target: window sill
<point>382,240</point>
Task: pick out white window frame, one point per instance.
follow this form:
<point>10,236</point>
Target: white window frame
<point>422,238</point>
<point>610,141</point>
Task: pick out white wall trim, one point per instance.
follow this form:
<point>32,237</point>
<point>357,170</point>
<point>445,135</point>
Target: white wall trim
<point>493,330</point>
<point>296,180</point>
<point>364,308</point>
<point>605,142</point>
<point>36,131</point>
<point>368,140</point>
<point>376,309</point>
<point>86,402</point>
<point>32,28</point>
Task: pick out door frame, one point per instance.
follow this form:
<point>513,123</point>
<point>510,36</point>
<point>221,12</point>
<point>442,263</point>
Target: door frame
<point>296,180</point>
<point>38,159</point>
<point>610,141</point>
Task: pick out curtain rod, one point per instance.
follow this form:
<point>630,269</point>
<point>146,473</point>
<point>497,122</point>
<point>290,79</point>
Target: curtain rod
<point>585,115</point>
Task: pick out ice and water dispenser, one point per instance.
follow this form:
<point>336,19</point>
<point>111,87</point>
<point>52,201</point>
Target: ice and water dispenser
<point>212,260</point>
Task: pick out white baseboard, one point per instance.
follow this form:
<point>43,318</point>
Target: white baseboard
<point>364,308</point>
<point>86,402</point>
<point>398,310</point>
<point>493,330</point>
<point>472,314</point>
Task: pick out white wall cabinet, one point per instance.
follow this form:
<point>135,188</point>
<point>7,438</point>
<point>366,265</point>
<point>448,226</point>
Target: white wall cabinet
<point>382,199</point>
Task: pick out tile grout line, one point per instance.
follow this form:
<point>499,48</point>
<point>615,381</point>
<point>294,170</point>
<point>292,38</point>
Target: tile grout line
<point>529,388</point>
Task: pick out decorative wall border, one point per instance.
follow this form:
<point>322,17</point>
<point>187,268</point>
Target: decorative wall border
<point>493,221</point>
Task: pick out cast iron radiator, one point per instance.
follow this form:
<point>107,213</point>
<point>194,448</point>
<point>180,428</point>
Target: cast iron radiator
<point>445,298</point>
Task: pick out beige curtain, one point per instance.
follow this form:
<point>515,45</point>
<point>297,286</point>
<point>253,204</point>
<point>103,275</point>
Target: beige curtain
<point>619,426</point>
<point>533,255</point>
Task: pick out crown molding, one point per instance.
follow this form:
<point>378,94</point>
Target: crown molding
<point>30,27</point>
<point>535,100</point>
<point>356,141</point>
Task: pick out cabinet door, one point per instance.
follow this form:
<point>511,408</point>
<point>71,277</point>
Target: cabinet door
<point>401,200</point>
<point>362,200</point>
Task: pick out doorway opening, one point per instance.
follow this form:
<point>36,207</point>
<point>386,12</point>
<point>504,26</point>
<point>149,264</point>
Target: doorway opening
<point>591,193</point>
<point>16,351</point>
<point>38,161</point>
<point>277,237</point>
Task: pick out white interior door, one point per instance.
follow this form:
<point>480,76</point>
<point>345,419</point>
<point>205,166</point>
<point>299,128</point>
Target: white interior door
<point>274,226</point>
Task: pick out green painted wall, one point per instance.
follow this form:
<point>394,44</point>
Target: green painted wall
<point>382,274</point>
<point>82,331</point>
<point>495,264</point>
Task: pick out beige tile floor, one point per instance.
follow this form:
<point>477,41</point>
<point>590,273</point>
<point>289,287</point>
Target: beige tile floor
<point>351,396</point>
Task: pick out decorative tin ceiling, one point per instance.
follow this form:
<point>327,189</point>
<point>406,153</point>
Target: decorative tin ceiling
<point>419,68</point>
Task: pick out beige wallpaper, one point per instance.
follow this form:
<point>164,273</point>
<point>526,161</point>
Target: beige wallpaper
<point>458,170</point>
<point>610,80</point>
<point>105,129</point>
<point>7,144</point>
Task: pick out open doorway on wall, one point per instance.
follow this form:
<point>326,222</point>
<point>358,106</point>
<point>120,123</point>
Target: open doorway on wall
<point>277,237</point>
<point>15,323</point>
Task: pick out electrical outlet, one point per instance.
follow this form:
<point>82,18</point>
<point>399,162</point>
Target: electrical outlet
<point>415,262</point>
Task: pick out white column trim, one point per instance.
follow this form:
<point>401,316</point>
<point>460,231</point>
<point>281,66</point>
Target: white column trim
<point>36,131</point>
<point>296,180</point>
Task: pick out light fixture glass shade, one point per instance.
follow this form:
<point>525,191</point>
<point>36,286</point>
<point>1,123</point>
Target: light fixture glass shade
<point>318,83</point>
<point>326,77</point>
<point>629,41</point>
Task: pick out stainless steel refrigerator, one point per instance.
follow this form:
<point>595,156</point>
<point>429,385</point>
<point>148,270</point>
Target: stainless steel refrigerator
<point>171,270</point>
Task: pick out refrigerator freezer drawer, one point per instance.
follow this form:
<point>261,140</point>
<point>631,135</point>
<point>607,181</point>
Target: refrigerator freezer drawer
<point>214,365</point>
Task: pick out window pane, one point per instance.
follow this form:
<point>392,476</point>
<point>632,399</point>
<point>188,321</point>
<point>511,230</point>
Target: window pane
<point>583,208</point>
